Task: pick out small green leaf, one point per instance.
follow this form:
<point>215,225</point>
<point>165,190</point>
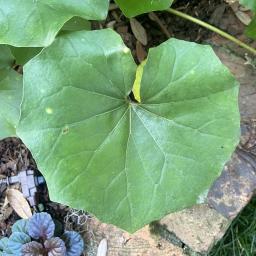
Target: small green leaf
<point>20,226</point>
<point>3,243</point>
<point>132,8</point>
<point>249,3</point>
<point>10,94</point>
<point>24,54</point>
<point>35,23</point>
<point>128,163</point>
<point>16,241</point>
<point>4,249</point>
<point>251,29</point>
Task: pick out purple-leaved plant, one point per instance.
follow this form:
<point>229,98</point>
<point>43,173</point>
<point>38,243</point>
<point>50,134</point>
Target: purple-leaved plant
<point>35,237</point>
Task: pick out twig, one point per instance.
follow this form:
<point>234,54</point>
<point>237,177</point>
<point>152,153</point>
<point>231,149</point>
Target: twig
<point>155,18</point>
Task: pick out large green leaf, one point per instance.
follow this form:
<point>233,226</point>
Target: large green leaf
<point>128,163</point>
<point>36,22</point>
<point>132,8</point>
<point>249,3</point>
<point>10,94</point>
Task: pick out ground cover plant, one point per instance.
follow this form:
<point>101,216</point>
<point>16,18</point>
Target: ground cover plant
<point>38,236</point>
<point>136,151</point>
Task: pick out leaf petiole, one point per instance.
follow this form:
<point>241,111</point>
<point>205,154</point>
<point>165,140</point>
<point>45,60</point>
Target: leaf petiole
<point>212,28</point>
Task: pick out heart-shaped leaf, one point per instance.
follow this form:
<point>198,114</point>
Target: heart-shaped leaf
<point>32,249</point>
<point>41,226</point>
<point>74,243</point>
<point>128,163</point>
<point>56,247</point>
<point>20,226</point>
<point>16,241</point>
<point>41,20</point>
<point>132,8</point>
<point>10,94</point>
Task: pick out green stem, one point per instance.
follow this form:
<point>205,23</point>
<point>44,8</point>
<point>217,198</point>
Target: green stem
<point>212,28</point>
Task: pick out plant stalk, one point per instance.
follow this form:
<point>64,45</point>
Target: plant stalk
<point>212,28</point>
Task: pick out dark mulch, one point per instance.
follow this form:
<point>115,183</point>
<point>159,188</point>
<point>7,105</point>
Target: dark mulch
<point>15,157</point>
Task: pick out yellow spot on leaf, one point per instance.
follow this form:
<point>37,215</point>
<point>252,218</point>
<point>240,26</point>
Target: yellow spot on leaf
<point>49,111</point>
<point>126,50</point>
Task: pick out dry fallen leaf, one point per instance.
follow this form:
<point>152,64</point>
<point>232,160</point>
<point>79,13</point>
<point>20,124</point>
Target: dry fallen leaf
<point>153,16</point>
<point>6,202</point>
<point>19,203</point>
<point>111,24</point>
<point>243,17</point>
<point>139,31</point>
<point>103,248</point>
<point>241,13</point>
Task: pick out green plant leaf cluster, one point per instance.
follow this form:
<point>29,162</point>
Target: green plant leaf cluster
<point>128,163</point>
<point>35,236</point>
<point>42,19</point>
<point>10,94</point>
